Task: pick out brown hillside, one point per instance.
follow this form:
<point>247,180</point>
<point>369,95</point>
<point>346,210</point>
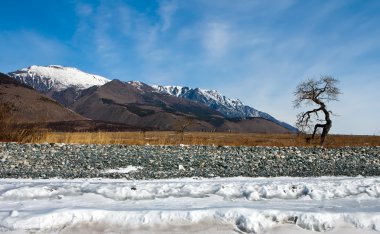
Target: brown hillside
<point>28,106</point>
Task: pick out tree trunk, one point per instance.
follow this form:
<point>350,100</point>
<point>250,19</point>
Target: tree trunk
<point>315,129</point>
<point>325,131</point>
<point>327,126</point>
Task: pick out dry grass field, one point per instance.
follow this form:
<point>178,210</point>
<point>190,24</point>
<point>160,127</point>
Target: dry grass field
<point>204,138</point>
<point>9,131</point>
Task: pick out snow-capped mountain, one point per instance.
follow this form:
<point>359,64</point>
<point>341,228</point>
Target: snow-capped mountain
<point>67,85</point>
<point>230,108</point>
<point>56,78</point>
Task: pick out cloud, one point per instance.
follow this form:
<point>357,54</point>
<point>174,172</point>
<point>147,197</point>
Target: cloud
<point>127,43</point>
<point>216,39</point>
<point>166,11</point>
<point>25,48</point>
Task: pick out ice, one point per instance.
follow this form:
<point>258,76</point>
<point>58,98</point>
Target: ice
<point>189,205</point>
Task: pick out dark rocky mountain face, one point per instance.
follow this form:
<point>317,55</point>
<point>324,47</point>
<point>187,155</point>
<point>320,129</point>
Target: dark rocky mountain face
<point>7,80</point>
<point>69,96</point>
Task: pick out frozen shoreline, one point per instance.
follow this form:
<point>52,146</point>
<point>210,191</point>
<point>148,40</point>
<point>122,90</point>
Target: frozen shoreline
<point>258,205</point>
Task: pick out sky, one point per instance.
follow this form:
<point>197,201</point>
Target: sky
<point>256,51</point>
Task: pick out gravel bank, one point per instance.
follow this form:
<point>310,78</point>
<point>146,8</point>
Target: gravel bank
<point>158,162</point>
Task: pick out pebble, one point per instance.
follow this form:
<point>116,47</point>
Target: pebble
<point>161,162</point>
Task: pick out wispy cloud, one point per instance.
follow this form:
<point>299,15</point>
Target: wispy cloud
<point>216,39</point>
<point>166,11</point>
<point>128,44</point>
<point>19,48</point>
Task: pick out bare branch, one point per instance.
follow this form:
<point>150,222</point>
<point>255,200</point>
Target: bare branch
<point>316,92</point>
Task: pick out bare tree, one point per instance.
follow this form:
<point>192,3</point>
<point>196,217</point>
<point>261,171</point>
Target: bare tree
<point>316,92</point>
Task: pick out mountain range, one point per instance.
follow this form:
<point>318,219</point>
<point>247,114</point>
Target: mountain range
<point>230,108</point>
<point>145,106</point>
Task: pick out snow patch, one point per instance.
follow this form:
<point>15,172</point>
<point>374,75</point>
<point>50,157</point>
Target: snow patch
<point>191,205</point>
<point>231,108</point>
<point>126,170</point>
<point>56,77</point>
<point>170,90</point>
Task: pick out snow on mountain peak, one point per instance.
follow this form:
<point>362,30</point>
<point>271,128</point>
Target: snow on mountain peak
<point>135,83</point>
<point>212,98</point>
<point>215,95</point>
<point>56,77</point>
<point>171,90</point>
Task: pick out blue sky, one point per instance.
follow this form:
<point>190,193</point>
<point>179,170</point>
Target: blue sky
<point>257,51</point>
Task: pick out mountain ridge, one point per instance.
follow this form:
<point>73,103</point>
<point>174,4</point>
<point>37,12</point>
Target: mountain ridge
<point>67,84</point>
<point>230,108</point>
<point>137,104</point>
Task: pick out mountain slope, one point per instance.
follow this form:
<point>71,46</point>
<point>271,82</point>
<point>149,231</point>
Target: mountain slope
<point>139,105</point>
<point>29,106</point>
<point>230,108</point>
<point>63,84</point>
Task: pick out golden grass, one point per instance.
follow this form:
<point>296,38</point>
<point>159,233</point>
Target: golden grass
<point>11,131</point>
<point>204,138</point>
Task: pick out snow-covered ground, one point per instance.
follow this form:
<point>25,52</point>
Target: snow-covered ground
<point>191,205</point>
